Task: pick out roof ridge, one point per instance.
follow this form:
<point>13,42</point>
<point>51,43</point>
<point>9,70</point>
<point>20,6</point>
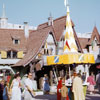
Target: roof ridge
<point>59,18</point>
<point>53,20</point>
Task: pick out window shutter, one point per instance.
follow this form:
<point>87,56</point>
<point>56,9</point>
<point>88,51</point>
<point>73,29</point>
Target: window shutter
<point>3,54</point>
<point>20,54</point>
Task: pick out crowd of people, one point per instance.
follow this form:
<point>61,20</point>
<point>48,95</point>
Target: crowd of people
<point>71,86</point>
<point>21,89</point>
<point>75,88</point>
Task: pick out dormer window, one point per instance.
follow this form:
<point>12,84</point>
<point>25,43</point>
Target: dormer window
<point>16,41</point>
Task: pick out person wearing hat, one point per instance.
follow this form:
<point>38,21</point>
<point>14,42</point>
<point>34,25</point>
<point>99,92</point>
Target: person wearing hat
<point>64,91</point>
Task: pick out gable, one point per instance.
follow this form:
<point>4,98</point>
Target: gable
<point>95,35</point>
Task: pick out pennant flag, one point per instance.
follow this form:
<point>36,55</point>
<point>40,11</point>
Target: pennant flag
<point>69,43</point>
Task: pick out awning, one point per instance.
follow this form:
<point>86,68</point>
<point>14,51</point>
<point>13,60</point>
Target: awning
<point>70,58</point>
<point>7,68</point>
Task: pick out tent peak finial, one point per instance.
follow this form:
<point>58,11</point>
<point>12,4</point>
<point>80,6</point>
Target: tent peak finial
<point>66,3</point>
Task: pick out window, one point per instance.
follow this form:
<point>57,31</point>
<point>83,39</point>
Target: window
<point>19,26</point>
<point>46,52</point>
<point>50,51</point>
<point>11,54</point>
<point>16,41</point>
<point>95,42</point>
<point>14,54</point>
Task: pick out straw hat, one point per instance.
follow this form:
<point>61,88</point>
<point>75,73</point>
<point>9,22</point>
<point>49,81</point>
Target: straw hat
<point>63,83</point>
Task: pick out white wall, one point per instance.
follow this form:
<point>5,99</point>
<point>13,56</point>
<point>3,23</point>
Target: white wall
<point>50,40</point>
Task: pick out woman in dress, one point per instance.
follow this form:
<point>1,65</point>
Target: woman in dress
<point>46,85</point>
<point>92,82</point>
<point>16,92</point>
<point>5,91</point>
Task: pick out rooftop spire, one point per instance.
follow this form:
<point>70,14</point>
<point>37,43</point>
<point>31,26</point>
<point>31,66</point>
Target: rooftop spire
<point>3,13</point>
<point>66,5</point>
<point>50,20</point>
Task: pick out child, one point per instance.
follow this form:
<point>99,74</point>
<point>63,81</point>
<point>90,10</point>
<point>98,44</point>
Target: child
<point>64,92</point>
<point>5,92</point>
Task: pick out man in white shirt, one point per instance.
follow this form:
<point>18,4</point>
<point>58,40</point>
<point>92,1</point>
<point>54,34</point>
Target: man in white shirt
<point>29,94</point>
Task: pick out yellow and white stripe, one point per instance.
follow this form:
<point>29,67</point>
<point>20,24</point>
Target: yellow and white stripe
<point>69,36</point>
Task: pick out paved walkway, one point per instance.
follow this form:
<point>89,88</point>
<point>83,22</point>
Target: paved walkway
<point>95,96</point>
<point>47,97</point>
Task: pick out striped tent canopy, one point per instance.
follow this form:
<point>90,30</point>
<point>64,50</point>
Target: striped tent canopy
<point>70,54</point>
<point>69,43</point>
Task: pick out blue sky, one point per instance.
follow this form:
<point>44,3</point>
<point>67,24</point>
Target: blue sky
<point>84,13</point>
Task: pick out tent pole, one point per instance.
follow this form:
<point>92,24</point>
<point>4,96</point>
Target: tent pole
<point>69,73</point>
<point>55,75</point>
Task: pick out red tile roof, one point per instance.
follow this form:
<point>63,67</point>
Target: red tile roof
<point>83,42</point>
<point>88,41</point>
<point>35,42</point>
<point>37,39</point>
<point>6,40</point>
<point>77,42</point>
<point>58,25</point>
<point>95,34</point>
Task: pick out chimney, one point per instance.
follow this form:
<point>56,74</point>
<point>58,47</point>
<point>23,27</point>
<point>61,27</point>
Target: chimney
<point>50,20</point>
<point>26,29</point>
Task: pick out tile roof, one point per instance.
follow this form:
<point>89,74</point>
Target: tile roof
<point>83,42</point>
<point>88,41</point>
<point>77,42</point>
<point>35,42</point>
<point>6,40</point>
<point>37,39</point>
<point>95,34</point>
<point>58,25</point>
